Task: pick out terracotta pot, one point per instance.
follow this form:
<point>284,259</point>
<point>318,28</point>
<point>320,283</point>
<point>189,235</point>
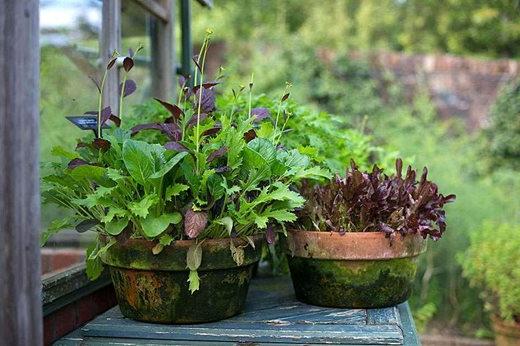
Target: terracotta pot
<point>354,270</point>
<point>506,333</point>
<point>154,288</point>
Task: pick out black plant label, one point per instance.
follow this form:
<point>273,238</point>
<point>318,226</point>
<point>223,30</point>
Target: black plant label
<point>86,122</point>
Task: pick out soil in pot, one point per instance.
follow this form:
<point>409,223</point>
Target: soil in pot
<point>354,270</point>
<point>506,333</point>
<point>154,288</point>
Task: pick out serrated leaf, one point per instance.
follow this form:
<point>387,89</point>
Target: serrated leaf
<point>165,239</point>
<point>261,221</point>
<point>113,212</point>
<point>116,226</point>
<point>227,222</point>
<point>194,281</point>
<point>194,257</point>
<point>281,215</point>
<point>142,207</point>
<point>155,225</point>
<point>174,190</point>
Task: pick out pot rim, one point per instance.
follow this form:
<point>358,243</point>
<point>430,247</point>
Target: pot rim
<point>353,245</point>
<point>186,243</point>
<point>136,254</point>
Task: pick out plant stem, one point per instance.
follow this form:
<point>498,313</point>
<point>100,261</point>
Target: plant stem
<point>123,84</point>
<point>203,51</point>
<point>100,104</point>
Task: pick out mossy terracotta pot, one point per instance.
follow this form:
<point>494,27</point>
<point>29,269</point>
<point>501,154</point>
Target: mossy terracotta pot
<point>506,333</point>
<point>353,270</point>
<point>154,288</point>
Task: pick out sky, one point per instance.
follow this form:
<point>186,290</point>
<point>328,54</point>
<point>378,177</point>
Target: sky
<point>59,14</point>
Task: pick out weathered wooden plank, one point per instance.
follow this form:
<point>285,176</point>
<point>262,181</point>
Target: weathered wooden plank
<point>410,337</point>
<point>383,316</point>
<point>163,53</point>
<point>155,9</point>
<point>249,332</point>
<point>20,311</point>
<point>110,40</point>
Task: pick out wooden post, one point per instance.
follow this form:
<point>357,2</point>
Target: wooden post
<point>162,53</point>
<point>20,272</point>
<point>110,40</point>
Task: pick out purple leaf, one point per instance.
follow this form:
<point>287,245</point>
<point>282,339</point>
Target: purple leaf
<point>173,109</point>
<point>214,130</point>
<point>217,153</point>
<point>172,130</point>
<point>76,163</point>
<point>128,63</point>
<point>195,58</point>
<point>101,144</point>
<point>260,113</point>
<point>194,223</point>
<point>150,126</point>
<point>193,119</point>
<point>270,235</point>
<point>207,100</point>
<point>105,114</point>
<point>206,85</point>
<point>250,135</point>
<point>130,87</point>
<point>116,120</point>
<point>111,63</point>
<point>222,169</point>
<point>175,146</point>
<point>182,81</point>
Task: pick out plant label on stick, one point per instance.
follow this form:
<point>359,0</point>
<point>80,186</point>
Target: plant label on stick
<point>86,122</point>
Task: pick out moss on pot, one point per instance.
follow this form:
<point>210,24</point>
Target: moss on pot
<point>353,283</point>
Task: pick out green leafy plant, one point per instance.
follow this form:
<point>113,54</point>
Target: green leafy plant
<point>196,172</point>
<point>492,263</point>
<point>503,134</point>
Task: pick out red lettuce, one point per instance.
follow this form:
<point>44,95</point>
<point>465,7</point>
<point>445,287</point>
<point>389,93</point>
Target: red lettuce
<point>376,202</point>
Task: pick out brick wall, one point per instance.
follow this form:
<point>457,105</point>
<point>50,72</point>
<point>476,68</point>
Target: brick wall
<point>459,86</point>
<point>57,259</point>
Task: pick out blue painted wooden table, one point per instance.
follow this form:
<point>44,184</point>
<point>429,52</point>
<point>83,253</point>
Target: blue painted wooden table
<point>272,316</point>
